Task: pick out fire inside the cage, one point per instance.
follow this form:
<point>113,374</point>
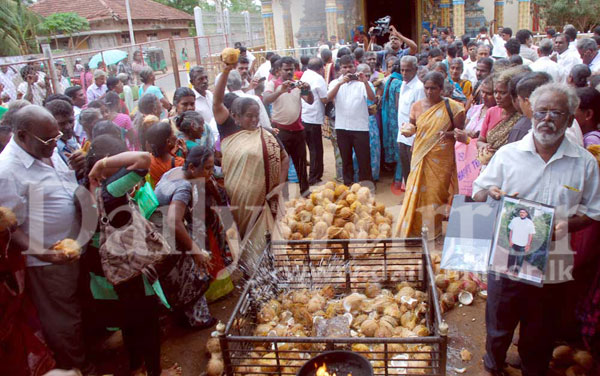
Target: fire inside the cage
<point>322,371</point>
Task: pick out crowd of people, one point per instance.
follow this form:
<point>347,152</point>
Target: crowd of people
<point>483,117</point>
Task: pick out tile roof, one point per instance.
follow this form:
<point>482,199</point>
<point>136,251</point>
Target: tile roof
<point>104,9</point>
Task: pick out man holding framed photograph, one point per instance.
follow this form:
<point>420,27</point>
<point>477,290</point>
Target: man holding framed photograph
<point>546,168</point>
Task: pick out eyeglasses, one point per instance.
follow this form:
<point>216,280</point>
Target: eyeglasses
<point>541,115</point>
<point>48,141</point>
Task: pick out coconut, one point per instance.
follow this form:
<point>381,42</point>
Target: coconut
<point>369,327</point>
<point>327,292</point>
<point>441,281</point>
<point>266,314</point>
<point>391,321</point>
<point>563,355</point>
<point>454,288</point>
<point>421,331</point>
<point>355,187</point>
<point>383,331</point>
<point>358,320</point>
<point>392,310</point>
<point>215,366</point>
<point>575,370</point>
<point>230,55</point>
<point>353,301</point>
<point>213,345</point>
<point>447,301</point>
<point>316,303</point>
<point>406,291</point>
<point>372,289</point>
<point>584,359</point>
<point>465,297</point>
<point>470,286</point>
<point>328,218</point>
<point>301,297</point>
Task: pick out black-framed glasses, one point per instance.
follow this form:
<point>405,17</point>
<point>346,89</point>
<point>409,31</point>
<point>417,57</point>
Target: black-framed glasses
<point>48,141</point>
<point>554,115</point>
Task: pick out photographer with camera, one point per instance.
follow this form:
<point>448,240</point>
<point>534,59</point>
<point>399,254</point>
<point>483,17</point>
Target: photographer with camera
<point>395,42</point>
<point>287,95</point>
<point>350,92</point>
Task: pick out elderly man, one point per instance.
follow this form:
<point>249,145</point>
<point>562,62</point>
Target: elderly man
<point>204,98</point>
<point>98,89</point>
<point>313,116</point>
<point>235,86</point>
<point>544,63</point>
<point>547,168</point>
<point>565,57</point>
<point>39,188</point>
<point>411,91</point>
<point>287,97</point>
<point>588,50</point>
<point>483,50</point>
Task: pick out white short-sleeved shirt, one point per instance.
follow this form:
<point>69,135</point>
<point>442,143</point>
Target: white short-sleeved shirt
<point>204,105</point>
<point>521,228</point>
<point>314,113</point>
<point>410,92</point>
<point>568,181</point>
<point>499,50</point>
<point>545,64</point>
<point>41,196</point>
<point>567,60</point>
<point>351,110</point>
<point>469,72</point>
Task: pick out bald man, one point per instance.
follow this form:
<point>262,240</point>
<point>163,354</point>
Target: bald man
<point>38,186</point>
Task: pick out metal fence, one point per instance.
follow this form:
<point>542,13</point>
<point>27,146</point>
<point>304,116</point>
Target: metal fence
<point>243,27</point>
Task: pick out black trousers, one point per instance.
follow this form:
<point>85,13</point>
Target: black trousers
<point>314,140</point>
<point>516,256</point>
<point>405,157</point>
<point>295,145</point>
<point>359,142</point>
<point>510,303</point>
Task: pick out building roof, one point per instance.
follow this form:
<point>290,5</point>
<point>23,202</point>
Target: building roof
<point>111,9</point>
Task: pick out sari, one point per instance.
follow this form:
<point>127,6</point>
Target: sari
<point>497,136</point>
<point>252,167</point>
<point>432,179</point>
<point>374,141</point>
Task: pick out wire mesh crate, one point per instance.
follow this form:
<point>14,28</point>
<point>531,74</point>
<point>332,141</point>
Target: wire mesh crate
<point>347,265</point>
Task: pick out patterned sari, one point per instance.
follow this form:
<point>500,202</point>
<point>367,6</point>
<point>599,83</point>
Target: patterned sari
<point>432,180</point>
<point>498,136</point>
<point>252,166</point>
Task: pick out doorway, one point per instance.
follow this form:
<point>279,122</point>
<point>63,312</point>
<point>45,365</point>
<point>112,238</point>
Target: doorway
<point>403,13</point>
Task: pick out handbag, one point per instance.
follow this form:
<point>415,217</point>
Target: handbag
<point>130,250</point>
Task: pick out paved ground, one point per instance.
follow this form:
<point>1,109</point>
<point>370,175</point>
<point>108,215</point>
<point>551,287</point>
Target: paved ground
<point>467,326</point>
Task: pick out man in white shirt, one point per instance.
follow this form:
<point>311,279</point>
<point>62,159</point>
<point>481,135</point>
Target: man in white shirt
<point>520,237</point>
<point>32,89</point>
<point>544,63</point>
<point>234,85</point>
<point>98,89</point>
<point>78,98</point>
<point>565,57</point>
<point>39,188</point>
<point>588,50</point>
<point>264,69</point>
<point>7,79</point>
<point>470,63</point>
<point>204,98</point>
<point>547,168</point>
<point>248,84</point>
<point>313,116</point>
<point>571,31</point>
<point>498,40</point>
<point>411,91</point>
<point>351,92</point>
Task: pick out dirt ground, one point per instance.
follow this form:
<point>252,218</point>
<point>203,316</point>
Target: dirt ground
<point>466,323</point>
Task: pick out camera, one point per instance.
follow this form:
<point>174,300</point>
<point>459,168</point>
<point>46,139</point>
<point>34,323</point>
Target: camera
<point>382,26</point>
<point>296,84</point>
<point>353,77</point>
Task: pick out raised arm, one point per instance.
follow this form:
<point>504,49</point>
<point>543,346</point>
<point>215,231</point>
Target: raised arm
<point>220,111</point>
<point>132,160</point>
<point>411,44</point>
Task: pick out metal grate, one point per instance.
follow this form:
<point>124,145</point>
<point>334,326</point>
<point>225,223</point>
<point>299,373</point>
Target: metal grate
<point>346,265</point>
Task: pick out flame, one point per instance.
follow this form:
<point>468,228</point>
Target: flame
<point>322,371</point>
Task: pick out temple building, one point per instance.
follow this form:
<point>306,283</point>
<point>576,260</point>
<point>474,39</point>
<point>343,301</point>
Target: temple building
<point>302,23</point>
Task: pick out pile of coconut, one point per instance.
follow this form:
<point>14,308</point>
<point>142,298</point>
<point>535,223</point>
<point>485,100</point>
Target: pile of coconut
<point>569,361</point>
<point>455,287</point>
<point>374,312</point>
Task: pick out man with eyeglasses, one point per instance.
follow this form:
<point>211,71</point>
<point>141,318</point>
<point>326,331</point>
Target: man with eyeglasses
<point>544,167</point>
<point>39,187</point>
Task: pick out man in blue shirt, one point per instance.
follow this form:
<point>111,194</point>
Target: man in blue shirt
<point>395,45</point>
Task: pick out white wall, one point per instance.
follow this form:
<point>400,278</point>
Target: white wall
<point>511,13</point>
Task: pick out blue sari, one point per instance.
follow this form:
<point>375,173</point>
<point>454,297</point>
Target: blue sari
<point>375,144</point>
<point>389,119</point>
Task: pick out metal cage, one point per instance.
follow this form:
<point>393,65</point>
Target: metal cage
<point>347,265</point>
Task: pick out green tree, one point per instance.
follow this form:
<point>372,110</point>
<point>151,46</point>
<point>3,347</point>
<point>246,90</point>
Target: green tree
<point>64,23</point>
<point>18,28</point>
<point>583,14</point>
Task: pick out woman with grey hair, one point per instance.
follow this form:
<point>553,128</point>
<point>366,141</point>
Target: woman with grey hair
<point>148,87</point>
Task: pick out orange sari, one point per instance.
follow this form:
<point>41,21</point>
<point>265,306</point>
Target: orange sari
<point>432,180</point>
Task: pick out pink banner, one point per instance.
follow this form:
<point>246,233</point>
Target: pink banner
<point>467,166</point>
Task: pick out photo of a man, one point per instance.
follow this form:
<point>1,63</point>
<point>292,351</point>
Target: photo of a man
<point>521,234</point>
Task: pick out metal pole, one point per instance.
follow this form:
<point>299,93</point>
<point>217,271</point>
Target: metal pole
<point>174,62</point>
<point>129,23</point>
<point>200,42</point>
<point>48,54</point>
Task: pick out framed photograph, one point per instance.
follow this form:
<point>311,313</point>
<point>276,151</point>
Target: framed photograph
<point>522,240</point>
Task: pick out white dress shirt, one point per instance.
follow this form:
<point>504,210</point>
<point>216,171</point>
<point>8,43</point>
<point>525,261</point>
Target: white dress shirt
<point>204,105</point>
<point>94,92</point>
<point>567,60</point>
<point>568,181</point>
<point>78,128</point>
<point>528,53</point>
<point>263,116</point>
<point>595,64</point>
<point>573,46</point>
<point>545,64</point>
<point>410,92</point>
<point>469,72</point>
<point>314,113</point>
<point>499,51</point>
<point>41,196</point>
<point>351,110</point>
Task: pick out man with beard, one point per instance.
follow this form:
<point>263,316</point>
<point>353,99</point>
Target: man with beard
<point>544,167</point>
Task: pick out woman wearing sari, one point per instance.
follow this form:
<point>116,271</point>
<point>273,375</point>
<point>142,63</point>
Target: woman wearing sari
<point>254,165</point>
<point>374,139</point>
<point>499,120</point>
<point>389,120</point>
<point>432,179</point>
<point>468,166</point>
